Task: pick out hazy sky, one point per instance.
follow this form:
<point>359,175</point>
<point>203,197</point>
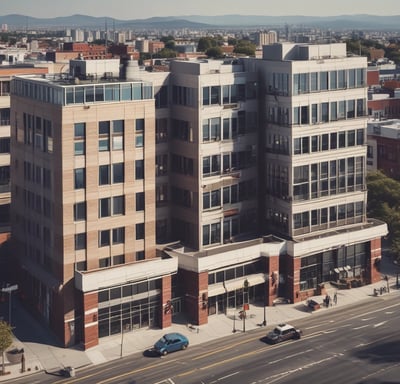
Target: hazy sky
<point>140,9</point>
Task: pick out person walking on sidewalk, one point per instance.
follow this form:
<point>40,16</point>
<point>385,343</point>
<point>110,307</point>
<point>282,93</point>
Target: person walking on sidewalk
<point>335,298</point>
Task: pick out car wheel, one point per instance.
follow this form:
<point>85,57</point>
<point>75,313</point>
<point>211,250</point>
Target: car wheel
<point>184,346</point>
<point>164,352</point>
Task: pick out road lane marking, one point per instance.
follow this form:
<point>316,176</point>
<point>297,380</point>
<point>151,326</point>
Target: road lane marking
<point>279,376</point>
<point>379,324</point>
<point>368,318</point>
<point>79,379</point>
<point>225,377</point>
<point>289,356</point>
<point>362,326</point>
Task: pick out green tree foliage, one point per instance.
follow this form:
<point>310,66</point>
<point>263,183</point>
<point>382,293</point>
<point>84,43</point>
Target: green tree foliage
<point>206,43</point>
<point>232,41</point>
<point>170,44</point>
<point>245,47</point>
<point>384,204</point>
<point>165,53</point>
<point>215,52</point>
<point>6,339</point>
<point>357,46</point>
<point>165,39</point>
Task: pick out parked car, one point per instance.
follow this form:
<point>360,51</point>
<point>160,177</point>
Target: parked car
<point>313,305</point>
<point>283,332</point>
<point>171,342</point>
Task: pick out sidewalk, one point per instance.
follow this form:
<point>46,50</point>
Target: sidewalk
<point>42,352</point>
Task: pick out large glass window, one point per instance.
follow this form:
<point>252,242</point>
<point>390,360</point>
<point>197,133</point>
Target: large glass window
<point>80,178</point>
<point>104,174</point>
<point>118,172</point>
<point>80,241</point>
<point>118,135</point>
<point>79,138</point>
<point>139,169</point>
<point>80,211</point>
<point>104,136</point>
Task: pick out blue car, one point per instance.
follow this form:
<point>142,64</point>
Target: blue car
<point>171,342</point>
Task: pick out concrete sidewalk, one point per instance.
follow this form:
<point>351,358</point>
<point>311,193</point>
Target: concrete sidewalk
<point>42,353</point>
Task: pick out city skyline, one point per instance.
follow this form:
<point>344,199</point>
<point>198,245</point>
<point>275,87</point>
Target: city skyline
<point>127,10</point>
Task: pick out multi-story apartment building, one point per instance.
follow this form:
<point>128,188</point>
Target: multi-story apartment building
<point>83,212</point>
<point>6,74</point>
<point>249,174</point>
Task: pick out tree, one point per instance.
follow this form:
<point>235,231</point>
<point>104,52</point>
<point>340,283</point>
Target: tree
<point>165,53</point>
<point>215,52</point>
<point>6,338</point>
<point>245,47</point>
<point>384,204</point>
<point>206,43</point>
<point>165,39</point>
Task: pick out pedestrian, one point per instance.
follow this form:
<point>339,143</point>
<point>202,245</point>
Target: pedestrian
<point>381,290</point>
<point>335,298</point>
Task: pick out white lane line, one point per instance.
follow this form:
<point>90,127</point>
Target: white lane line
<point>368,318</point>
<point>289,356</point>
<point>232,374</point>
<point>363,326</point>
<point>379,324</point>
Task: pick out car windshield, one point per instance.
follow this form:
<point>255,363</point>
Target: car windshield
<point>163,339</point>
<point>276,330</point>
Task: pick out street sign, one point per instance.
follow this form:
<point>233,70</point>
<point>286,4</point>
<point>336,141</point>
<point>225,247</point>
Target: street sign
<point>10,288</point>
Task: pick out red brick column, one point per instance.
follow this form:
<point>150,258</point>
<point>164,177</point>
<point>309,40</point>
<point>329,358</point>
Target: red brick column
<point>166,306</point>
<point>373,273</point>
<point>273,278</point>
<point>203,299</point>
<point>90,323</point>
<point>195,286</point>
<point>293,279</point>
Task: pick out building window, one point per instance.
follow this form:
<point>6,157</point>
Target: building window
<point>118,173</point>
<point>105,207</point>
<point>118,135</point>
<point>139,133</point>
<point>105,262</point>
<point>79,178</point>
<point>119,259</point>
<point>79,138</point>
<point>139,169</point>
<point>4,145</point>
<point>111,206</point>
<point>212,199</point>
<point>140,201</point>
<point>104,238</point>
<point>118,205</point>
<point>139,255</point>
<point>211,165</point>
<point>80,211</point>
<point>212,129</point>
<point>212,234</point>
<point>140,231</point>
<point>80,241</point>
<point>161,130</point>
<point>104,175</point>
<point>104,136</point>
<point>118,235</point>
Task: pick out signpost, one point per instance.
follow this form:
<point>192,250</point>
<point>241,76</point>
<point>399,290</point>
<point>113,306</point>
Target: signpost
<point>9,290</point>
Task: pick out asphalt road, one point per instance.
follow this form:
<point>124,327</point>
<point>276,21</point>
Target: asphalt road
<point>359,344</point>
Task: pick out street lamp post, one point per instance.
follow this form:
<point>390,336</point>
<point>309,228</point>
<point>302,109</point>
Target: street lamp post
<point>9,290</point>
<point>264,323</point>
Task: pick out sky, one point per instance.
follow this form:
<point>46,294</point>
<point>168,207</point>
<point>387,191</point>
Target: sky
<point>142,9</point>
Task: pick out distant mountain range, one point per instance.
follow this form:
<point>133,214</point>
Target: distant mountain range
<point>361,21</point>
